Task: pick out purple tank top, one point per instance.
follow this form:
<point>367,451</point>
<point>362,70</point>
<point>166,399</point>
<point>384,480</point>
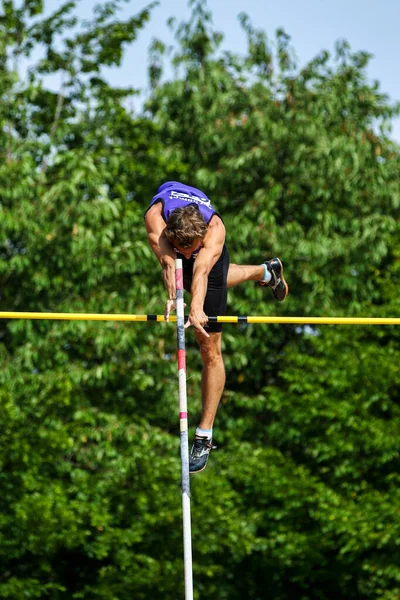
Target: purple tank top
<point>174,195</point>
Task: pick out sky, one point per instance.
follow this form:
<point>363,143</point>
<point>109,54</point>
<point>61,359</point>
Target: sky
<point>313,25</point>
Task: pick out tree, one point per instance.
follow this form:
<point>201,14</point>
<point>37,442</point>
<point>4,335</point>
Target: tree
<point>302,160</point>
<point>77,452</point>
<point>301,500</point>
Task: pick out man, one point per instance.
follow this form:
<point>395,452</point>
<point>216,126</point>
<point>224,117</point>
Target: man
<point>182,223</point>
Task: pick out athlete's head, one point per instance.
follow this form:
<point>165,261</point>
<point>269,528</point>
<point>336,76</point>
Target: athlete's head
<point>185,227</point>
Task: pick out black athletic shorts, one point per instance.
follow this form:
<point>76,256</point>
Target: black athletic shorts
<point>217,292</point>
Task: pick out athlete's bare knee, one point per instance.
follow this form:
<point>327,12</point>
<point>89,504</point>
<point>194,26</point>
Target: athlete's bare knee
<point>210,348</point>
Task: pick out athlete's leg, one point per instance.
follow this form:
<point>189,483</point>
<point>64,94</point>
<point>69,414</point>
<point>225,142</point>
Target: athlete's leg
<point>212,378</point>
<point>269,274</point>
<point>240,273</point>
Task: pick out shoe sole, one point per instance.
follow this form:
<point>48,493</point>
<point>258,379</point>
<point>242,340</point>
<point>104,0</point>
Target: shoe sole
<point>195,472</point>
<point>199,471</point>
<point>283,281</point>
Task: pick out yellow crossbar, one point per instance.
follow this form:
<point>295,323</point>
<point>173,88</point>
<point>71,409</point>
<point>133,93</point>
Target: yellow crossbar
<point>80,316</point>
<point>228,319</point>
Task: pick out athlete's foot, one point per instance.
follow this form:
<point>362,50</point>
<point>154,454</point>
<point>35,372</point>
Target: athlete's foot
<point>277,282</point>
<point>199,454</point>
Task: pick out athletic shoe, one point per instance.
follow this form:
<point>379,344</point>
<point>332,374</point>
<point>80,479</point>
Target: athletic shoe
<point>277,282</point>
<point>201,449</point>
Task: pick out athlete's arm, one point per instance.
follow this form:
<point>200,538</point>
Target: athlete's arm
<point>161,247</point>
<point>213,244</point>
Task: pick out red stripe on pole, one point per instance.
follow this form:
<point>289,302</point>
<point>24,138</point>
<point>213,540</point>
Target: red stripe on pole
<point>179,279</point>
<point>183,415</point>
<point>182,360</point>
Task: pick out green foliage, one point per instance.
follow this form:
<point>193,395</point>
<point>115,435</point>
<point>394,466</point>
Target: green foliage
<point>301,500</point>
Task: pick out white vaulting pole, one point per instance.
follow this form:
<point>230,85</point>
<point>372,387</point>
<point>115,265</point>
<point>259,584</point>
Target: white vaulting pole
<point>183,418</point>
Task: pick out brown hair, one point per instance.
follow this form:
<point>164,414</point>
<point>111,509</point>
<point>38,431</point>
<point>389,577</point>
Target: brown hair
<point>185,225</point>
